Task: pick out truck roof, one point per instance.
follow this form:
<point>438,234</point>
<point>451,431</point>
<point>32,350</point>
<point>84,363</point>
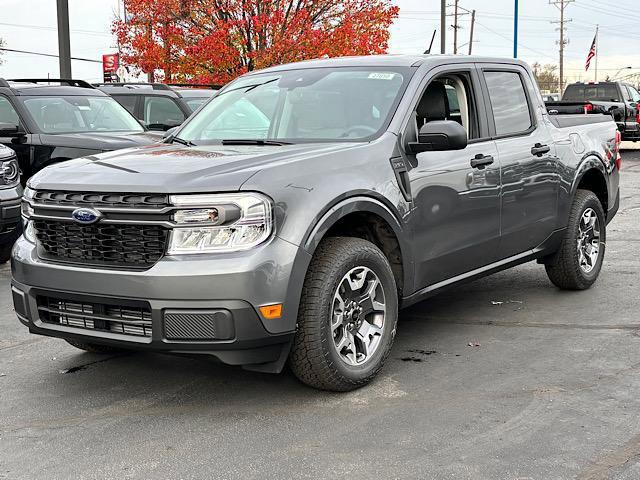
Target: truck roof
<point>389,61</point>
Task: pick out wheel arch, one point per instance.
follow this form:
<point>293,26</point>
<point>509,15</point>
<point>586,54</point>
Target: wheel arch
<point>592,175</point>
<point>369,218</point>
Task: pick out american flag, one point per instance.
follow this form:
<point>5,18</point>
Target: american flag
<point>591,54</point>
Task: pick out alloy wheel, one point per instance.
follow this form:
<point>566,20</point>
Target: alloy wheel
<point>358,316</point>
<point>588,240</point>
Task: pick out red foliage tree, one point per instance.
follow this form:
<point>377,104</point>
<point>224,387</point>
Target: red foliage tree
<point>217,40</point>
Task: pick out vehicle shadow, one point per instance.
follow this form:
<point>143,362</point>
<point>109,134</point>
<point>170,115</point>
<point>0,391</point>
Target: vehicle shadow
<point>164,382</point>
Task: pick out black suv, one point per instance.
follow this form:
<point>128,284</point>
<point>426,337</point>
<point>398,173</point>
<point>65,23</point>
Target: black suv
<point>50,120</point>
<point>160,106</point>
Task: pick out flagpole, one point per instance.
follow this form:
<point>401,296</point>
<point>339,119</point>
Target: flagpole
<point>597,26</point>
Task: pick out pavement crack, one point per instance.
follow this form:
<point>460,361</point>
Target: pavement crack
<point>77,368</point>
<point>614,460</point>
<point>502,323</point>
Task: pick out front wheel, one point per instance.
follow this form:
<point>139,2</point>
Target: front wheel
<point>347,317</point>
<point>578,261</point>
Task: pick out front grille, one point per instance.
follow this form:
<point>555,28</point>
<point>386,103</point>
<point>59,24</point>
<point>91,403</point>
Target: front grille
<point>134,246</point>
<point>97,199</point>
<point>125,320</point>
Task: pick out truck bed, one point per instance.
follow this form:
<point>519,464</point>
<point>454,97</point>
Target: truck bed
<point>567,121</point>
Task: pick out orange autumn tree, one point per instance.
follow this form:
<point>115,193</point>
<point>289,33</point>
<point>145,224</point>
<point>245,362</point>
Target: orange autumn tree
<point>217,40</point>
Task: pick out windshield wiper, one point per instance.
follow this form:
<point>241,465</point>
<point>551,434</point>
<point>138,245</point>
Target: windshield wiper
<point>248,87</point>
<point>249,141</point>
<point>181,141</point>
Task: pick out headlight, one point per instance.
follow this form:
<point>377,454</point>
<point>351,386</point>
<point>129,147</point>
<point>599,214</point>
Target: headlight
<point>29,231</point>
<point>9,172</point>
<point>219,223</point>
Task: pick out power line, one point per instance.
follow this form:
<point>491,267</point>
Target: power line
<point>13,50</point>
<point>538,52</point>
<point>44,27</point>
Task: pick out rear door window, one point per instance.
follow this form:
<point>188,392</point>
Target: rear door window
<point>128,102</point>
<point>7,113</point>
<point>635,96</point>
<point>509,102</point>
<point>161,112</point>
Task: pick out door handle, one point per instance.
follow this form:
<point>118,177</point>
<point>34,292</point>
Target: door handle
<point>480,161</point>
<point>538,149</point>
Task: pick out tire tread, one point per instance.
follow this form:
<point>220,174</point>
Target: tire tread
<point>562,268</point>
<point>309,358</point>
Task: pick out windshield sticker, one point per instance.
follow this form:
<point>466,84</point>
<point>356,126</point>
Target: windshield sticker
<point>381,75</point>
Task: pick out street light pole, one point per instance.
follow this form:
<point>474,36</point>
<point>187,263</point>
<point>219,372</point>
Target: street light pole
<point>515,30</point>
<point>64,43</point>
<point>618,72</point>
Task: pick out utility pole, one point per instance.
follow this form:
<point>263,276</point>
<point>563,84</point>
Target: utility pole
<point>561,5</point>
<point>455,26</point>
<point>64,43</point>
<point>473,21</point>
<point>443,26</point>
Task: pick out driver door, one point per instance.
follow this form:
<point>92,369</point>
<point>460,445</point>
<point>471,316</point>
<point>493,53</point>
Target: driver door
<point>456,216</point>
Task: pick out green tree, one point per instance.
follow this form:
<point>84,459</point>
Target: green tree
<point>546,76</point>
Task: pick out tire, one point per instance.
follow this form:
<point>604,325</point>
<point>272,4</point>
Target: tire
<point>93,347</point>
<point>5,252</point>
<point>564,267</point>
<point>317,357</point>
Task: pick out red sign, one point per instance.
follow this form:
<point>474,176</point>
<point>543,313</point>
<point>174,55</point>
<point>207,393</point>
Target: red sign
<point>110,63</point>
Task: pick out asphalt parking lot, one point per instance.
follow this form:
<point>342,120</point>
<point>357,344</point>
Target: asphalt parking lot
<point>550,390</point>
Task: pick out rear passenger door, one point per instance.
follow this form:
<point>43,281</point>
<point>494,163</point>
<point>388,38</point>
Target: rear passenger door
<point>528,162</point>
<point>632,97</point>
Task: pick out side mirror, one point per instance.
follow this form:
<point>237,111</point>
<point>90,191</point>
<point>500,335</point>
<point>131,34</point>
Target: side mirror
<point>10,130</point>
<point>439,135</point>
<point>168,133</point>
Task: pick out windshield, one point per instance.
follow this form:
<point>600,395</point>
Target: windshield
<point>321,104</point>
<point>607,92</point>
<point>79,114</point>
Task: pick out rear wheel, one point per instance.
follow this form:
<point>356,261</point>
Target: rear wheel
<point>93,347</point>
<point>577,263</point>
<point>347,317</point>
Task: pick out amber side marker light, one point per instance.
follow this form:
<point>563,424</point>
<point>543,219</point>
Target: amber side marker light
<point>271,312</point>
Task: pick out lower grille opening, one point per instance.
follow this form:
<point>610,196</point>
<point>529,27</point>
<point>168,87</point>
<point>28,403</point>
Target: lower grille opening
<point>125,320</point>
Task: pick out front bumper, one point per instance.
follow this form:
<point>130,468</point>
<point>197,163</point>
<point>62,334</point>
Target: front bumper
<point>235,284</point>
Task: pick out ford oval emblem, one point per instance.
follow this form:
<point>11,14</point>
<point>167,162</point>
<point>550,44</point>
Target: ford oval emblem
<point>86,215</point>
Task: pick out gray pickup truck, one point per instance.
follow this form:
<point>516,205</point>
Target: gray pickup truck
<point>294,214</point>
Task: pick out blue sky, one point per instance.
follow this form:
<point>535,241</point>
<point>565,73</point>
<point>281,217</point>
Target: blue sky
<point>34,28</point>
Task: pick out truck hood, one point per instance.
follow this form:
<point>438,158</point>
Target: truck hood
<point>101,141</point>
<point>175,168</point>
